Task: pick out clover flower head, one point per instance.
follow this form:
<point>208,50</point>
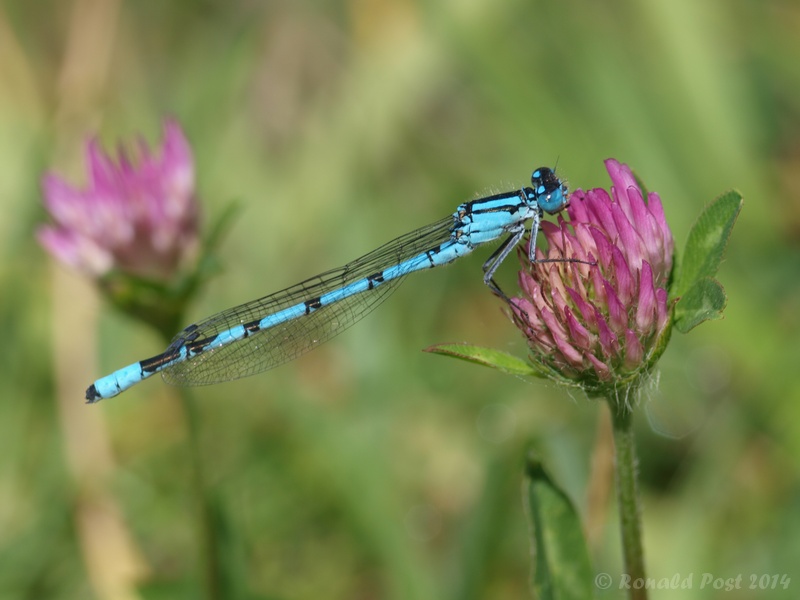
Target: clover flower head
<point>604,320</point>
<point>137,213</point>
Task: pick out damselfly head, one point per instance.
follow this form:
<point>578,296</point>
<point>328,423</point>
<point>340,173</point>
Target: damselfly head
<point>549,191</point>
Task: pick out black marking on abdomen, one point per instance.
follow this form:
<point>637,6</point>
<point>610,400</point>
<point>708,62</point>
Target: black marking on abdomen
<point>153,365</point>
<point>312,305</point>
<point>92,395</point>
<point>199,346</point>
<point>431,253</point>
<point>375,280</point>
<point>473,206</point>
<point>252,327</point>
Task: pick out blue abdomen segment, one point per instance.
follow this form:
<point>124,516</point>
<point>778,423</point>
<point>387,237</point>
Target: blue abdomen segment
<point>119,381</point>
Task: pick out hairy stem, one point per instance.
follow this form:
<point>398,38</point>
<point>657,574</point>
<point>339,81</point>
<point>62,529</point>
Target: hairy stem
<point>627,495</point>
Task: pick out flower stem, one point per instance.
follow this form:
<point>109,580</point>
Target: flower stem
<point>210,559</point>
<point>627,495</point>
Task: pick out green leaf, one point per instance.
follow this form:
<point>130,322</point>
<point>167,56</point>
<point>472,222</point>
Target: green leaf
<point>561,567</point>
<point>707,240</point>
<point>704,301</point>
<point>207,264</point>
<point>221,226</point>
<point>487,357</point>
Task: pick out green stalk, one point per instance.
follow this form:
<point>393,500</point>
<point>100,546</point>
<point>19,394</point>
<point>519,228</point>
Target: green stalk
<point>210,559</point>
<point>627,496</point>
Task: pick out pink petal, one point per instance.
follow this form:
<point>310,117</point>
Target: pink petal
<point>586,310</point>
<point>617,313</point>
<point>656,209</point>
<point>603,246</point>
<point>577,273</point>
<point>646,307</point>
<point>622,180</point>
<point>600,207</point>
<point>583,234</point>
<point>76,252</point>
<point>557,331</point>
<point>556,282</point>
<point>528,314</point>
<point>617,173</point>
<point>634,352</point>
<point>578,208</point>
<point>571,355</point>
<point>638,213</point>
<point>598,287</point>
<point>653,243</point>
<point>579,335</point>
<point>554,236</point>
<point>559,303</point>
<point>628,241</point>
<point>608,341</point>
<point>602,370</point>
<point>662,314</point>
<point>528,283</point>
<point>66,205</point>
<point>569,241</point>
<point>102,173</point>
<point>625,285</point>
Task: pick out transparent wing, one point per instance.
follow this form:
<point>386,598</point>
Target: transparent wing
<point>271,347</point>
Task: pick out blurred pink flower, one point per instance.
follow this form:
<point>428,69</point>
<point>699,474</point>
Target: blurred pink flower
<point>136,215</point>
<point>598,324</point>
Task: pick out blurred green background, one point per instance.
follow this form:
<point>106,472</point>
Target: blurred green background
<point>368,469</point>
